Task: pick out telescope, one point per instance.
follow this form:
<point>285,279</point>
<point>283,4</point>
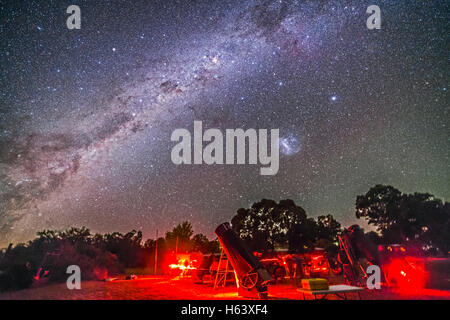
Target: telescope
<point>252,277</point>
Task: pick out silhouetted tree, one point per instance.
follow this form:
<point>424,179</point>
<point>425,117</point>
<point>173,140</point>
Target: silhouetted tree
<point>267,223</point>
<point>328,228</point>
<point>201,243</point>
<point>416,218</point>
<point>303,235</point>
<point>374,237</point>
<point>98,255</point>
<point>181,236</point>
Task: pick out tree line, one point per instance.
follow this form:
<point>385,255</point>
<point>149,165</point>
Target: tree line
<point>98,255</point>
<point>417,219</point>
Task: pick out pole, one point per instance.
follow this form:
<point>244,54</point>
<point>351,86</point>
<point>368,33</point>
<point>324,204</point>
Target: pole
<point>156,251</point>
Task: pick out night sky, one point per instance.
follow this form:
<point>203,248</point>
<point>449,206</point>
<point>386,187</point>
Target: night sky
<point>86,115</point>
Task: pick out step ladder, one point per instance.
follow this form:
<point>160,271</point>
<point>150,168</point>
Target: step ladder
<point>222,273</point>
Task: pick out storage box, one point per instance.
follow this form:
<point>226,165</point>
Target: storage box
<point>315,284</point>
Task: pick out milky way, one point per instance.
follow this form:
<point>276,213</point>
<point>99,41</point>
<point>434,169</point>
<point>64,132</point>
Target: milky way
<point>86,115</point>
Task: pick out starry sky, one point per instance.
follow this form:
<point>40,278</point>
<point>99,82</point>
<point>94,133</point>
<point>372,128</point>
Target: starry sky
<point>86,115</point>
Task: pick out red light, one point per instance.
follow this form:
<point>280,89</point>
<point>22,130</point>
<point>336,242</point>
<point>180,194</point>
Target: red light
<point>406,274</point>
<point>181,267</point>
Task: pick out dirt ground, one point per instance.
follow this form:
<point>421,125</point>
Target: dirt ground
<point>179,288</point>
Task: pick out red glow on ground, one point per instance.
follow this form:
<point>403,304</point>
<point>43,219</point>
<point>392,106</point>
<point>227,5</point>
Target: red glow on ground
<point>406,275</point>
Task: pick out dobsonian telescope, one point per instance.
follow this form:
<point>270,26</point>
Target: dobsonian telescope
<point>252,277</point>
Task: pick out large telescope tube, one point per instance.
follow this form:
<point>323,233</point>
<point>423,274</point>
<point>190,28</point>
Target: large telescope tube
<point>249,271</point>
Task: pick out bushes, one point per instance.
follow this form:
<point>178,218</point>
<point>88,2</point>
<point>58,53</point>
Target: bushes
<point>98,255</point>
<point>94,263</point>
<point>49,255</point>
<point>15,277</point>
